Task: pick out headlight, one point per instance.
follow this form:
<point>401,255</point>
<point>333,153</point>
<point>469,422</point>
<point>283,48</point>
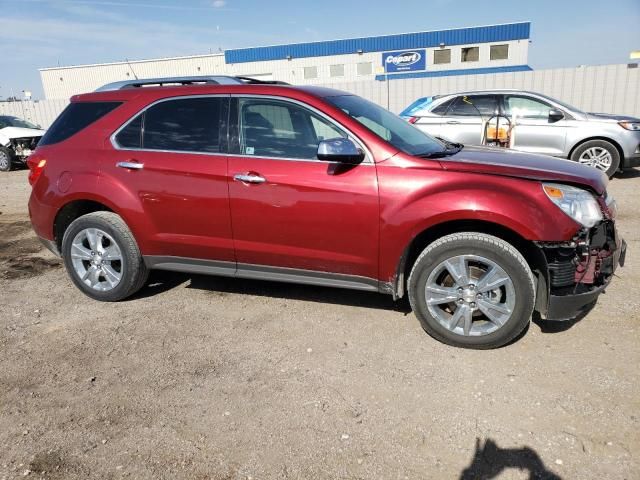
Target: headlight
<point>635,126</point>
<point>575,202</point>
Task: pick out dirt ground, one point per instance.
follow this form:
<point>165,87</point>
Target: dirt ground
<point>202,377</point>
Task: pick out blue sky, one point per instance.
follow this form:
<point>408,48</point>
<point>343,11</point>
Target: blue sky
<point>43,33</point>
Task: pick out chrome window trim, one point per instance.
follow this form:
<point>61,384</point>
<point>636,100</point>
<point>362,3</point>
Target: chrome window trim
<point>368,155</point>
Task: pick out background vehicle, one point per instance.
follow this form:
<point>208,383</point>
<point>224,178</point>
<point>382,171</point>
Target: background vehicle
<point>317,186</point>
<point>18,138</point>
<point>539,124</point>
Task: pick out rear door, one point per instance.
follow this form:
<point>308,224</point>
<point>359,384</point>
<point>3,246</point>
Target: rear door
<point>465,118</point>
<point>290,210</point>
<point>534,132</point>
<point>171,157</point>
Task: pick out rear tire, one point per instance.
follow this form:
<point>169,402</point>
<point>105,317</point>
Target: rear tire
<point>102,257</point>
<point>598,154</point>
<point>6,159</point>
<point>472,290</point>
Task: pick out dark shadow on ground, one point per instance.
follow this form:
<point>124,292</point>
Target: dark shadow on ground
<point>490,461</point>
<point>628,173</point>
<point>556,326</point>
<point>162,281</point>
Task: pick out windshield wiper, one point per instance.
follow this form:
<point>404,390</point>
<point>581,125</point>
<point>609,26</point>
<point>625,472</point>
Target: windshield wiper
<point>450,149</point>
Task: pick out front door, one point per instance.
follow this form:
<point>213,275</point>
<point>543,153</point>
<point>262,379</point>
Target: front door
<point>171,160</point>
<point>534,131</point>
<point>290,210</point>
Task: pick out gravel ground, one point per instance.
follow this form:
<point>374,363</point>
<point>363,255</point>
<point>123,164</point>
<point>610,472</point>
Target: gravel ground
<point>203,377</point>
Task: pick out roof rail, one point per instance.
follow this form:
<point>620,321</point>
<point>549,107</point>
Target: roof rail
<point>199,80</point>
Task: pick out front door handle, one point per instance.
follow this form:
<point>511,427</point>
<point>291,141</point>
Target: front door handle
<point>249,178</point>
<point>130,165</point>
<point>453,122</point>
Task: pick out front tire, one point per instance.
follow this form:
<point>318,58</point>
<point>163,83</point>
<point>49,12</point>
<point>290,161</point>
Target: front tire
<point>472,290</point>
<point>102,257</point>
<point>6,159</point>
<point>599,154</point>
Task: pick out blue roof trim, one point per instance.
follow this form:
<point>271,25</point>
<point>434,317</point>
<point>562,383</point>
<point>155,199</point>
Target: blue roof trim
<point>462,71</point>
<point>402,41</point>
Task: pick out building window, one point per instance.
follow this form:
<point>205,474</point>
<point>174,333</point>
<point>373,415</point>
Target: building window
<point>310,72</point>
<point>336,70</point>
<point>470,54</point>
<point>442,56</point>
<point>365,68</point>
<point>499,52</point>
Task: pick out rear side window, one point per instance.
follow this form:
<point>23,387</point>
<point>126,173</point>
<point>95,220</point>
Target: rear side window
<point>74,118</point>
<point>184,125</point>
<point>475,106</point>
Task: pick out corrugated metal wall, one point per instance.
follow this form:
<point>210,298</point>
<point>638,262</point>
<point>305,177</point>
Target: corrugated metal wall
<point>603,88</point>
<point>42,112</point>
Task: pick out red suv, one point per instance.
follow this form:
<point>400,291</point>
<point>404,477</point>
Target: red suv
<point>317,186</point>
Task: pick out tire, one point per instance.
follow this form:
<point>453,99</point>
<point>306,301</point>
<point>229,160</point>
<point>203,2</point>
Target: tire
<point>599,154</point>
<point>102,257</point>
<point>454,313</point>
<point>6,159</point>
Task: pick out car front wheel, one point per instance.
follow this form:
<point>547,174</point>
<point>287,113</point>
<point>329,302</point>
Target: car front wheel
<point>472,290</point>
<point>102,257</point>
<point>599,154</point>
<point>6,159</point>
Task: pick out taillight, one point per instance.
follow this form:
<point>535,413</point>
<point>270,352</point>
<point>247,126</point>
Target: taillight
<point>413,119</point>
<point>36,165</point>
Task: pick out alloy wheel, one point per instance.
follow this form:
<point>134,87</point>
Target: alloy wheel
<point>4,160</point>
<point>597,157</point>
<point>470,295</point>
<point>97,259</point>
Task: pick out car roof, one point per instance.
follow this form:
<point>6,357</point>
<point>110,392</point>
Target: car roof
<point>207,89</point>
<point>496,91</point>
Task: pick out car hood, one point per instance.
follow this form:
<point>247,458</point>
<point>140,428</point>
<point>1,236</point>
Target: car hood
<point>610,117</point>
<point>18,132</point>
<point>511,163</point>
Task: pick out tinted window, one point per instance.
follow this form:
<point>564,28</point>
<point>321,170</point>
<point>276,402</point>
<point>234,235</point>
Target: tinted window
<point>131,135</point>
<point>74,118</point>
<point>186,125</point>
<point>474,106</point>
<point>443,107</point>
<point>526,107</point>
<point>272,128</point>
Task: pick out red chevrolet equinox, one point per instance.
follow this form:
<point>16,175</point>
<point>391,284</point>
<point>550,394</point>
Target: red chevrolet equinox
<point>234,177</point>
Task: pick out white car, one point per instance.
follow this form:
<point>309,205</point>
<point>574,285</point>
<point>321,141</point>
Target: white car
<point>18,138</point>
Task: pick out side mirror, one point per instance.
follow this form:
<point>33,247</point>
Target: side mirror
<point>341,150</point>
<point>555,115</point>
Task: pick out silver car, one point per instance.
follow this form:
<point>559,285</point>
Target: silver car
<point>530,122</point>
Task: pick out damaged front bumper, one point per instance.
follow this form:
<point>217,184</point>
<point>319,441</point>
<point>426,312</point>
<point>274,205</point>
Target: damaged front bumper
<point>580,270</point>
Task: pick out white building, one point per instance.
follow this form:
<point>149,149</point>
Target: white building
<point>462,51</point>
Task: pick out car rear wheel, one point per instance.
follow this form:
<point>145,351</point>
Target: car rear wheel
<point>6,159</point>
<point>599,154</point>
<point>102,257</point>
<point>472,290</point>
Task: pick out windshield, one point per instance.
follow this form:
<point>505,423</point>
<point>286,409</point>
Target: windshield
<point>7,121</point>
<point>387,126</point>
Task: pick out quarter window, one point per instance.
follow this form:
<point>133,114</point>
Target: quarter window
<point>184,125</point>
<point>274,128</point>
<point>442,56</point>
<point>77,116</point>
<point>470,54</point>
<point>474,106</point>
<point>499,52</point>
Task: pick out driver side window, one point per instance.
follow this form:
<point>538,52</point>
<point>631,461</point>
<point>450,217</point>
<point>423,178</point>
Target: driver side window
<point>279,129</point>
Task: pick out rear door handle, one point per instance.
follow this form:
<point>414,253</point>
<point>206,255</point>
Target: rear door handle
<point>130,165</point>
<point>249,178</point>
<point>453,122</point>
